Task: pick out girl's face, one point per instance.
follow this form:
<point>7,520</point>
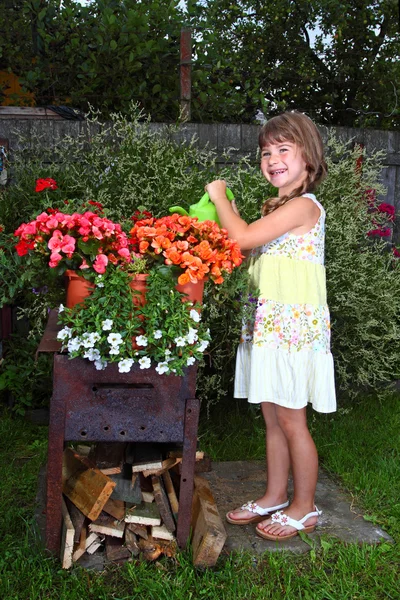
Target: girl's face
<point>283,165</point>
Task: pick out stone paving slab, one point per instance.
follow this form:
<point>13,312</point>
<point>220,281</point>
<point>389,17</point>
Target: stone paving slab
<point>234,483</point>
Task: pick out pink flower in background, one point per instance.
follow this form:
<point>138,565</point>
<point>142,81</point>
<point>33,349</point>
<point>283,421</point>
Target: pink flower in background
<point>100,263</point>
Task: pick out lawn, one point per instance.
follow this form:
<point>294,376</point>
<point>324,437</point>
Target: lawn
<point>359,446</point>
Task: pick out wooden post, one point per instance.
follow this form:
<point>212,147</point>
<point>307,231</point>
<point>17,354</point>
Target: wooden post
<point>186,72</point>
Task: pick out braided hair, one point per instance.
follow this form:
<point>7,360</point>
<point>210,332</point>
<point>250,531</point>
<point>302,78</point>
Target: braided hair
<point>297,128</point>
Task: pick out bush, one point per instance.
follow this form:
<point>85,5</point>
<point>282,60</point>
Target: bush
<point>129,166</point>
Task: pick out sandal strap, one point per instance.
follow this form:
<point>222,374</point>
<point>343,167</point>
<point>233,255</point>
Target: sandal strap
<point>253,507</point>
<point>283,519</point>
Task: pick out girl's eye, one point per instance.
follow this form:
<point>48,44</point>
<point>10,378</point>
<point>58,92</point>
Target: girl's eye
<point>283,150</point>
<point>265,154</point>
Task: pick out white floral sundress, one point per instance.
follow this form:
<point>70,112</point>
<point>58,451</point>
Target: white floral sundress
<point>284,354</point>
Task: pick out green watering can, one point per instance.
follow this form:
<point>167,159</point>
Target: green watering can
<point>204,209</point>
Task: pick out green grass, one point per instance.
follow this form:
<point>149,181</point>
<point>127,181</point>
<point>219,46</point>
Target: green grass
<point>359,446</point>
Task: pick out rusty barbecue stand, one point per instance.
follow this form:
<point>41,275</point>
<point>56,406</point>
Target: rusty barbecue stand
<point>108,406</point>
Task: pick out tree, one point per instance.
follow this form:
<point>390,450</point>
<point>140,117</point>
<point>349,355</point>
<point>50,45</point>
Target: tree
<point>339,61</point>
<point>106,54</point>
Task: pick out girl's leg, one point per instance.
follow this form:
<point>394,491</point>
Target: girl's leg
<point>304,463</point>
<point>277,464</point>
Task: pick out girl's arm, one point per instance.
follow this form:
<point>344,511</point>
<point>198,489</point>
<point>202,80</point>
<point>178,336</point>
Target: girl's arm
<point>299,212</point>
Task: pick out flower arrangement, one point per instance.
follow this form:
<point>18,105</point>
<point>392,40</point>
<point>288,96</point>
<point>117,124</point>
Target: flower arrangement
<point>195,248</point>
<point>108,327</point>
<point>86,242</point>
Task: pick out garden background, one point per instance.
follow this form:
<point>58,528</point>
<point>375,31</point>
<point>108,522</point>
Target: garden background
<point>131,163</point>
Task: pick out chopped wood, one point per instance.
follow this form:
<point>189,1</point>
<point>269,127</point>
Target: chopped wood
<point>86,487</point>
<point>87,540</point>
<point>140,530</point>
<point>77,517</point>
<point>179,454</point>
<point>169,488</point>
<point>115,551</point>
<point>107,525</point>
<point>108,455</point>
<point>146,456</point>
<point>209,533</point>
<point>127,486</point>
<point>115,508</point>
<point>131,542</point>
<point>162,502</point>
<point>111,471</point>
<point>67,542</point>
<point>143,514</point>
<point>95,545</point>
<point>161,532</point>
<point>168,463</point>
<point>83,450</point>
<point>147,496</point>
<point>152,548</point>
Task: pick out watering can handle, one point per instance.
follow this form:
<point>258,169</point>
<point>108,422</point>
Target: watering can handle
<point>206,198</point>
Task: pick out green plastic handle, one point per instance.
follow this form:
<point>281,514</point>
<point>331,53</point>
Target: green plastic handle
<point>179,210</point>
<point>206,198</point>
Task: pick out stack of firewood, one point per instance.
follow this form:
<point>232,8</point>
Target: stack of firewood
<point>122,499</point>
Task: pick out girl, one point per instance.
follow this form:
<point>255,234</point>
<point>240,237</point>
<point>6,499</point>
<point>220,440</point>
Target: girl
<point>284,358</point>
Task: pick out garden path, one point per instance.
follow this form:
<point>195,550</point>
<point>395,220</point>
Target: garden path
<point>234,483</point>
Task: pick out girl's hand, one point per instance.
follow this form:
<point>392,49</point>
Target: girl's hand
<point>216,190</point>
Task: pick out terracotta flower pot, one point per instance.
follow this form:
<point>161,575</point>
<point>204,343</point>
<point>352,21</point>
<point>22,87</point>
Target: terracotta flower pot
<point>78,288</point>
<point>194,291</point>
<point>138,284</point>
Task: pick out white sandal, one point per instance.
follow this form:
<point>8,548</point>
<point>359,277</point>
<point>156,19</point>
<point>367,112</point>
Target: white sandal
<point>259,512</point>
<point>283,519</point>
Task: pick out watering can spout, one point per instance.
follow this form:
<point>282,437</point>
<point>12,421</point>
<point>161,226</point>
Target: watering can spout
<point>204,209</point>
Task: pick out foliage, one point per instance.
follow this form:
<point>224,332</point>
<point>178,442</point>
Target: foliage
<point>105,53</point>
<point>24,382</point>
<point>363,278</point>
<point>336,60</point>
<point>167,330</point>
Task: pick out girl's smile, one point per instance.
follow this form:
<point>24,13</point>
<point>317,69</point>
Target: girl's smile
<point>282,164</point>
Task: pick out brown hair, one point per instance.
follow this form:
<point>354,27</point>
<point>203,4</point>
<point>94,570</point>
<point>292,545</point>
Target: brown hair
<point>297,128</point>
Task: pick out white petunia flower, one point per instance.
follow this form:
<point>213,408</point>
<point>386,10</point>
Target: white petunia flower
<point>124,366</point>
<point>192,336</point>
<point>190,361</point>
<point>87,341</point>
<point>168,355</point>
<point>145,362</point>
<point>180,341</point>
<point>106,324</point>
<point>92,354</point>
<point>141,340</point>
<point>65,333</point>
<point>157,334</point>
<point>195,315</point>
<point>203,345</point>
<point>114,339</point>
<point>162,367</point>
<point>100,284</point>
<point>100,364</point>
<point>61,308</point>
<point>114,350</point>
<point>74,344</point>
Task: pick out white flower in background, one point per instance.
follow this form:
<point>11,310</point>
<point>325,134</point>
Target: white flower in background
<point>157,334</point>
<point>107,324</point>
<point>100,284</point>
<point>89,339</point>
<point>100,364</point>
<point>74,344</point>
<point>145,362</point>
<point>195,315</point>
<point>114,350</point>
<point>141,340</point>
<point>180,341</point>
<point>203,345</point>
<point>61,308</point>
<point>168,355</point>
<point>124,366</point>
<point>114,339</point>
<point>65,333</point>
<point>92,354</point>
<point>190,361</point>
<point>162,367</point>
<point>192,336</point>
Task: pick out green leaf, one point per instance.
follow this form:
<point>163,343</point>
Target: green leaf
<point>113,45</point>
